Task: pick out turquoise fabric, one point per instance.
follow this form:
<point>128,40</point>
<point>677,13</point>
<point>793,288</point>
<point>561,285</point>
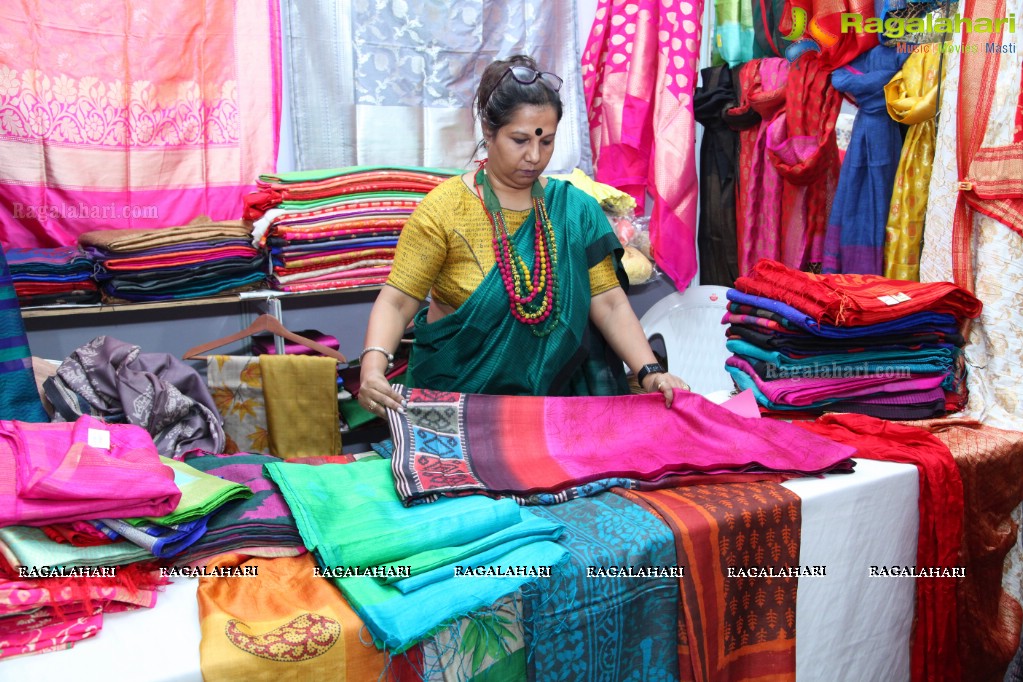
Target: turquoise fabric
<point>923,361</point>
<point>349,515</point>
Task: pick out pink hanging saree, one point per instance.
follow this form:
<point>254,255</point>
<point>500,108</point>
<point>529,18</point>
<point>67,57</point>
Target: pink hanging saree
<point>639,74</point>
<point>133,115</point>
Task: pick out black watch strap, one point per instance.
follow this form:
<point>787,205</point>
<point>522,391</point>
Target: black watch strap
<point>653,368</point>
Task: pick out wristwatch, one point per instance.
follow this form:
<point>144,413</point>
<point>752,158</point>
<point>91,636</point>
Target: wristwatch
<point>652,368</point>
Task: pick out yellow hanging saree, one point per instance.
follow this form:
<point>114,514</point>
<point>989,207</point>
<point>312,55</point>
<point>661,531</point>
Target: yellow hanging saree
<point>911,98</point>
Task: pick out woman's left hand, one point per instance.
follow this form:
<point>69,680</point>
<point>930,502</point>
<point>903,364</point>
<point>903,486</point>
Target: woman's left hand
<point>664,383</point>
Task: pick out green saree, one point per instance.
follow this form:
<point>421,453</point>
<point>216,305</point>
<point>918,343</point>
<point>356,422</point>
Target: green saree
<point>481,348</point>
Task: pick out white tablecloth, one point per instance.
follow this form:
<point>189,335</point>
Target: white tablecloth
<point>850,627</point>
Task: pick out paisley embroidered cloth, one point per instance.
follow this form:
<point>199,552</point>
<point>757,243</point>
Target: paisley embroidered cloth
<point>450,444</point>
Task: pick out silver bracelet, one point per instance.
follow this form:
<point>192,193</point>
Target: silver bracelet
<point>390,357</point>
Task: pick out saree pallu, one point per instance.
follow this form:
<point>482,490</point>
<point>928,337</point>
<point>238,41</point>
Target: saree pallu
<point>990,606</point>
<point>639,71</point>
<point>733,628</point>
<point>911,97</point>
<point>716,237</point>
<point>760,184</point>
<point>619,627</point>
<point>19,398</point>
<point>449,444</point>
<point>287,625</point>
<point>935,626</point>
<point>114,131</point>
<point>467,350</point>
<point>801,145</point>
<point>855,300</point>
<point>856,225</point>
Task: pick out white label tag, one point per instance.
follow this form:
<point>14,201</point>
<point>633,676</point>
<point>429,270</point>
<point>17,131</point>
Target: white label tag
<point>889,300</point>
<point>99,439</point>
<point>902,297</point>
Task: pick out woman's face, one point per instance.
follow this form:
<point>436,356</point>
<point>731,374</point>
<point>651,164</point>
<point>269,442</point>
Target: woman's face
<point>521,149</point>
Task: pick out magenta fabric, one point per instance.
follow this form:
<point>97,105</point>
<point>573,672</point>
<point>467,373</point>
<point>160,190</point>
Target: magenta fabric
<point>803,391</point>
<point>456,443</point>
<point>52,473</point>
<point>639,74</point>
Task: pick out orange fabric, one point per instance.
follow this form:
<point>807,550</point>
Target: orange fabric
<point>280,626</point>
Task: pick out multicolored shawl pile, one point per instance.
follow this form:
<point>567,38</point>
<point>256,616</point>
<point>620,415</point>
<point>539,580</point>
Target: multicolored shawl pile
<point>19,398</point>
<point>107,377</point>
<point>350,516</point>
<point>639,73</point>
<point>990,463</point>
<point>51,276</point>
<point>934,639</point>
<point>131,116</point>
<point>337,228</point>
<point>584,627</point>
<point>733,628</point>
<point>854,300</point>
<point>202,258</point>
<point>286,625</point>
<point>81,470</point>
<point>452,444</point>
<point>856,225</point>
<point>30,547</point>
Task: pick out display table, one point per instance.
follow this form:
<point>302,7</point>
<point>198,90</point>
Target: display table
<point>850,626</point>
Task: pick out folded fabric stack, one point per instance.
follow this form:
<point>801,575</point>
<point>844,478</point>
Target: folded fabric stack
<point>398,566</point>
<point>73,473</point>
<point>190,261</point>
<point>848,343</point>
<point>52,276</point>
<point>336,229</point>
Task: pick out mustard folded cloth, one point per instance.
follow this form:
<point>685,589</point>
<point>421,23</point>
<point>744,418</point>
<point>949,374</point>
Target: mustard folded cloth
<point>300,392</point>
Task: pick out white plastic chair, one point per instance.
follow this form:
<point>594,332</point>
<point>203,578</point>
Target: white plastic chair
<point>689,324</point>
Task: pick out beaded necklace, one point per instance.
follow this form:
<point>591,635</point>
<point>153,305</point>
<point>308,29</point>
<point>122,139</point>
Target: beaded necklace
<point>533,296</point>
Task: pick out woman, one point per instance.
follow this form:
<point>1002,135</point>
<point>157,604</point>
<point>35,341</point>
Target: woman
<point>522,270</point>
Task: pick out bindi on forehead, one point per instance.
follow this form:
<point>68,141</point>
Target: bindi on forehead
<point>539,132</point>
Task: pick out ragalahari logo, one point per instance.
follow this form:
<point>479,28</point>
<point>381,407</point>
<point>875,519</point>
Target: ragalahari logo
<point>818,38</point>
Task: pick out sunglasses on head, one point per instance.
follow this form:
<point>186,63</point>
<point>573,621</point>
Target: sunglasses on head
<point>527,76</point>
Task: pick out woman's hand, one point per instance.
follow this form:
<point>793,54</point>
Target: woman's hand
<point>664,383</point>
<point>376,394</point>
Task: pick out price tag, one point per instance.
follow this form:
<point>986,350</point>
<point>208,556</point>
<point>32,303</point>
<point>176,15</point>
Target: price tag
<point>98,438</point>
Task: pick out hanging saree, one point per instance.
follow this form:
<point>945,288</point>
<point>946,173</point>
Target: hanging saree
<point>639,71</point>
<point>801,145</point>
<point>854,242</point>
<point>993,252</point>
<point>819,23</point>
<point>760,184</point>
<point>140,115</point>
<point>768,40</point>
<point>744,119</point>
<point>719,252</point>
<point>462,350</point>
<point>912,97</point>
<point>732,41</point>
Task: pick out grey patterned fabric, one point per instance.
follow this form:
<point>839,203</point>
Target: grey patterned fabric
<point>392,83</point>
<point>117,382</point>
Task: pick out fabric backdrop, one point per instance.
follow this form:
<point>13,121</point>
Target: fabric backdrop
<point>393,83</point>
<point>141,114</point>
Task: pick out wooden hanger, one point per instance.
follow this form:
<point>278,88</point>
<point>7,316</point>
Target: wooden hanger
<point>263,323</point>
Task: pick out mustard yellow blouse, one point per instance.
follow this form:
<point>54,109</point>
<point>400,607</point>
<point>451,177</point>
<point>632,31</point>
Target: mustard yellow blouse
<point>446,246</point>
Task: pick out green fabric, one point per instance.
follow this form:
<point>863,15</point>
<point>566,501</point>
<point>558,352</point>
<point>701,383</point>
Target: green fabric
<point>350,516</point>
<point>733,32</point>
<point>356,415</point>
<point>201,494</point>
<point>482,348</point>
<point>30,547</point>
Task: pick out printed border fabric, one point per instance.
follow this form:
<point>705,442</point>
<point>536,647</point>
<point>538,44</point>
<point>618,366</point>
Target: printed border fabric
<point>350,93</point>
<point>717,527</point>
<point>128,136</point>
<point>457,444</point>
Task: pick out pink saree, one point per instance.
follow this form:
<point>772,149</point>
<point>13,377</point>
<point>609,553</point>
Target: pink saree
<point>133,115</point>
<point>639,74</point>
